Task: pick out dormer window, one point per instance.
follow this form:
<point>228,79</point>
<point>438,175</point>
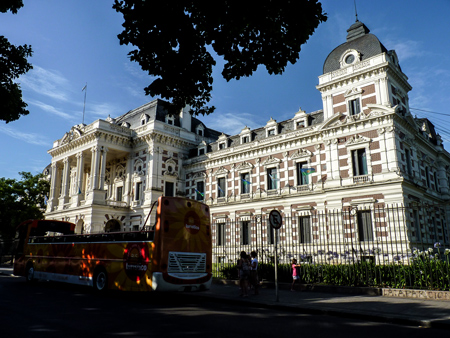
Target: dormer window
<point>144,119</point>
<point>200,130</point>
<point>271,128</point>
<point>170,120</point>
<point>201,148</point>
<point>222,142</point>
<point>350,57</point>
<point>300,119</point>
<point>245,135</point>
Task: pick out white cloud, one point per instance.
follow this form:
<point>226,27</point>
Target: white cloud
<point>46,82</point>
<point>32,138</point>
<point>52,110</point>
<point>230,123</point>
<point>102,110</point>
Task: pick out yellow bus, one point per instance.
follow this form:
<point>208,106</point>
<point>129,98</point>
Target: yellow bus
<point>172,255</point>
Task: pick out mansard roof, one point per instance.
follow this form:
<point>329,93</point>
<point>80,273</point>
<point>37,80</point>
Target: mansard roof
<point>258,134</point>
<point>359,39</point>
<point>156,111</point>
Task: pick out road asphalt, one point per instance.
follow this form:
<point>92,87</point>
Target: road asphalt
<point>403,311</point>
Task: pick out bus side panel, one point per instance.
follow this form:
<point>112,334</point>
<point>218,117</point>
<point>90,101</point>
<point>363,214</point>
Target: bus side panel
<point>127,263</point>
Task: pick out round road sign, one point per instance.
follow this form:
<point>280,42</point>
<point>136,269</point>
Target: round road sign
<point>275,219</point>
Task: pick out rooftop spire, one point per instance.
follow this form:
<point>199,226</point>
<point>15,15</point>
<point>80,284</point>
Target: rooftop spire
<point>356,12</point>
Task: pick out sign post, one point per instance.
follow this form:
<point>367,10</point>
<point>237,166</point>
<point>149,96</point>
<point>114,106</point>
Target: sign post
<point>276,221</point>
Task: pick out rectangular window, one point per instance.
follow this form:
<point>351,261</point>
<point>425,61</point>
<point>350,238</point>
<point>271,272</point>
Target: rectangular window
<point>221,146</point>
<point>119,193</point>
<point>359,162</point>
<point>354,107</point>
<point>304,225</point>
<point>201,151</point>
<point>364,220</point>
<point>137,196</point>
<point>302,177</point>
<point>245,139</point>
<point>245,183</point>
<point>200,193</point>
<point>271,132</point>
<point>221,187</point>
<point>220,234</point>
<point>300,124</point>
<point>169,191</point>
<point>272,179</point>
<point>436,186</point>
<point>245,232</point>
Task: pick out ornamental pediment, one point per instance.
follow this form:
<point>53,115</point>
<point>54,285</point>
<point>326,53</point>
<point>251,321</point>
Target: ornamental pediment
<point>353,91</point>
<point>301,153</point>
<point>244,166</point>
<point>221,171</point>
<point>200,175</point>
<point>271,160</point>
<point>358,139</point>
<point>74,133</point>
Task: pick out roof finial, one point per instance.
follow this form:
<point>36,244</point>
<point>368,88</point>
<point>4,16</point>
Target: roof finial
<point>356,12</point>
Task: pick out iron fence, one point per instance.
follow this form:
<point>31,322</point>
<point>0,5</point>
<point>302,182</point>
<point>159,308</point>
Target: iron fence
<point>364,246</point>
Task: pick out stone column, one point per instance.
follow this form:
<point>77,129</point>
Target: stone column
<point>128,174</point>
<point>94,168</point>
<point>53,198</point>
<point>80,172</point>
<point>233,180</point>
<point>258,177</point>
<point>318,147</point>
<point>103,151</point>
<point>64,198</point>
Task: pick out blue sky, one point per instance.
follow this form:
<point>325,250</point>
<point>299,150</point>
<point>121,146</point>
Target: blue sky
<point>75,42</point>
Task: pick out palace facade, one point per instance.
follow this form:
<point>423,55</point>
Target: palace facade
<point>362,152</point>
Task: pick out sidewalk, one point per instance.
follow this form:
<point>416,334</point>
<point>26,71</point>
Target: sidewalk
<point>417,312</point>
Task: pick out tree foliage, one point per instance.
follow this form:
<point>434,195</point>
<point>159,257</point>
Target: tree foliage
<point>172,39</point>
<point>21,200</point>
<point>13,63</point>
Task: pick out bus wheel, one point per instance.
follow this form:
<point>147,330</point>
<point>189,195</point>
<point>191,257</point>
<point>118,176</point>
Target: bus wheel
<point>30,273</point>
<point>100,280</point>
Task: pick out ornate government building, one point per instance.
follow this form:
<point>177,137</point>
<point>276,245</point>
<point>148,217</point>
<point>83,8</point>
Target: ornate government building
<point>363,151</point>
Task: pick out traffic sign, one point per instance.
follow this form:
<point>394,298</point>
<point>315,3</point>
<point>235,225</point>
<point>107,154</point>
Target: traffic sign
<point>275,219</point>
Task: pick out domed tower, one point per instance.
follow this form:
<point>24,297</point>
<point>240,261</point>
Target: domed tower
<point>361,72</point>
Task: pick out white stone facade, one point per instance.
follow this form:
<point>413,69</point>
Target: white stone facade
<point>364,150</point>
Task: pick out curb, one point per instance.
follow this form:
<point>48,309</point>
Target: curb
<point>375,317</point>
<point>327,312</point>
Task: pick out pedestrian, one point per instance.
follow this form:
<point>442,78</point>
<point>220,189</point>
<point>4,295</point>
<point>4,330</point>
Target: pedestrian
<point>244,273</point>
<point>254,271</point>
<point>295,273</point>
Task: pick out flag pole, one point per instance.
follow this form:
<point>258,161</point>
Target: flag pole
<point>84,105</point>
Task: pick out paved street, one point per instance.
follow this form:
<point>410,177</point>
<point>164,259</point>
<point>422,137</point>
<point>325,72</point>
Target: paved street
<point>48,309</point>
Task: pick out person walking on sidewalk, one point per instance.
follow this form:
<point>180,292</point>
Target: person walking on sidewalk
<point>295,273</point>
<point>244,273</point>
<point>254,271</point>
